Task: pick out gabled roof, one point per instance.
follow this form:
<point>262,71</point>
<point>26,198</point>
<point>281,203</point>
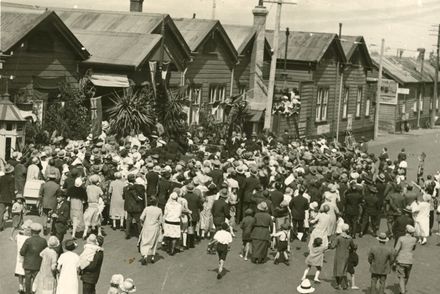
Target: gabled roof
<point>307,46</point>
<point>405,70</point>
<point>124,49</point>
<point>17,21</point>
<point>351,43</point>
<point>240,35</point>
<point>195,31</point>
<point>8,111</point>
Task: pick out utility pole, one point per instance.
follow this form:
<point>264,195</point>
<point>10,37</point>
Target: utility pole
<point>422,89</point>
<point>285,58</point>
<point>341,73</point>
<point>214,7</point>
<point>273,64</point>
<point>379,89</point>
<point>435,96</point>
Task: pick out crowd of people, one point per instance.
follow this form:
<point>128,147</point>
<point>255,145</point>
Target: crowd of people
<point>272,190</point>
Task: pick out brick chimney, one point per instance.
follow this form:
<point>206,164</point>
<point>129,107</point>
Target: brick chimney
<point>258,93</point>
<point>136,5</point>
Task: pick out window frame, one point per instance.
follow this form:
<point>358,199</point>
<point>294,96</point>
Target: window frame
<point>367,106</point>
<point>219,96</point>
<point>321,111</point>
<point>345,100</point>
<point>193,114</point>
<point>359,96</point>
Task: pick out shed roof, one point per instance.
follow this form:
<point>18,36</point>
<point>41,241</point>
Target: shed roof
<point>405,70</point>
<point>129,49</point>
<point>17,21</point>
<point>195,31</point>
<point>351,43</point>
<point>8,111</point>
<point>307,46</point>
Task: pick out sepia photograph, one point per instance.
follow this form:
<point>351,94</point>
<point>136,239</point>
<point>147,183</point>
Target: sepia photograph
<point>219,146</point>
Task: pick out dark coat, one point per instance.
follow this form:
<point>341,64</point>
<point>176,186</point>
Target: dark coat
<point>262,226</point>
<point>152,180</point>
<point>134,196</point>
<point>342,244</point>
<point>399,226</point>
<point>217,177</point>
<point>195,205</point>
<point>250,185</point>
<point>63,212</point>
<point>298,206</point>
<point>7,188</point>
<point>380,259</point>
<point>49,192</point>
<point>220,211</point>
<point>31,250</point>
<point>353,200</point>
<point>91,273</point>
<point>77,193</point>
<point>164,189</point>
<point>20,177</point>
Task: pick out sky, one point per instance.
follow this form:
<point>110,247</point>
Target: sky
<point>406,24</point>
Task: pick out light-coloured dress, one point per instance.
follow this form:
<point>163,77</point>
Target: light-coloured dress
<point>19,271</point>
<point>152,218</point>
<point>421,218</point>
<point>45,282</point>
<point>92,216</point>
<point>117,202</point>
<point>321,229</point>
<point>172,214</point>
<point>68,279</point>
<point>206,220</point>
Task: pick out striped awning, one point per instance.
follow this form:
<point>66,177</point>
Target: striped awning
<point>110,80</point>
<point>8,111</point>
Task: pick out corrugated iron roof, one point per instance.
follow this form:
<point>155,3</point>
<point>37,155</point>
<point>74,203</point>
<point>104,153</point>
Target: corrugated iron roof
<point>405,69</point>
<point>118,48</point>
<point>306,46</point>
<point>19,20</point>
<point>8,111</point>
<point>240,36</point>
<point>194,30</point>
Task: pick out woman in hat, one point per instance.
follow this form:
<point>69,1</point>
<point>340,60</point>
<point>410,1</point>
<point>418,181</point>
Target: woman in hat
<point>117,212</point>
<point>92,216</point>
<point>321,225</point>
<point>18,210</point>
<point>343,244</point>
<point>78,196</point>
<point>261,233</point>
<point>33,171</point>
<point>171,226</point>
<point>127,287</point>
<point>24,234</point>
<point>115,282</point>
<point>149,237</point>
<point>45,281</point>
<point>68,269</point>
<point>206,218</point>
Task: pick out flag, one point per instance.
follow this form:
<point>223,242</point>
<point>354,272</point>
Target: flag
<point>96,116</point>
<point>153,67</point>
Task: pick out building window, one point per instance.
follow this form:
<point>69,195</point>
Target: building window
<point>9,126</point>
<point>414,107</point>
<point>194,95</point>
<point>216,97</point>
<point>359,102</point>
<point>345,102</point>
<point>242,91</point>
<point>321,105</point>
<point>367,106</point>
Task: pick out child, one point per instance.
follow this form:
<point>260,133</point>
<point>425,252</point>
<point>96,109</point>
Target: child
<point>283,241</point>
<point>222,239</point>
<point>246,226</point>
<point>115,282</point>
<point>22,236</point>
<point>315,258</point>
<point>17,214</point>
<point>353,260</point>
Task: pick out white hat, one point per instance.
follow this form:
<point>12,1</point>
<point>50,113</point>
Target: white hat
<point>305,287</point>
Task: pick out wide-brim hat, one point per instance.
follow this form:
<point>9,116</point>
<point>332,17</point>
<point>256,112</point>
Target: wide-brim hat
<point>262,206</point>
<point>305,287</point>
<point>27,224</point>
<point>407,209</point>
<point>239,170</point>
<point>53,242</point>
<point>70,245</point>
<point>127,286</point>
<point>36,227</point>
<point>157,169</point>
<point>410,229</point>
<point>381,177</point>
<point>383,238</point>
<point>223,193</point>
<point>190,187</point>
<point>142,138</point>
<point>9,169</point>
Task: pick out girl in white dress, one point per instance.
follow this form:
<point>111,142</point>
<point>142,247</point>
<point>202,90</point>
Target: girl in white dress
<point>68,264</point>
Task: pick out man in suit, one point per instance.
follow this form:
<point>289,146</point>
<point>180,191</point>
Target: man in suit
<point>250,185</point>
<point>220,209</point>
<point>152,178</point>
<point>195,205</point>
<point>380,259</point>
<point>48,199</point>
<point>90,274</point>
<point>241,179</point>
<point>401,222</point>
<point>353,208</point>
<point>30,251</point>
<point>371,215</point>
<point>61,217</point>
<point>134,202</point>
<point>7,192</point>
<point>217,174</point>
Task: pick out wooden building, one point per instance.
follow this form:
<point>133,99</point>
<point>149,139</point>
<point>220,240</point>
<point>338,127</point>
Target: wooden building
<point>211,72</point>
<point>407,93</point>
<point>42,53</point>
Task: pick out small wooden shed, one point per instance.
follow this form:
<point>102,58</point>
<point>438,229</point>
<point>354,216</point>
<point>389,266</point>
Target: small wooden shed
<point>11,128</point>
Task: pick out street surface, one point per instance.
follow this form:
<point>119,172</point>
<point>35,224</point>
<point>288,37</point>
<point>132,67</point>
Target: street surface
<point>193,271</point>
